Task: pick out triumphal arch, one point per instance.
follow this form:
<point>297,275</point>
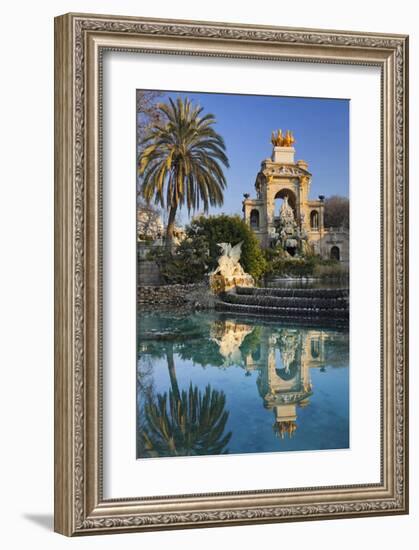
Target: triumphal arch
<point>283,211</point>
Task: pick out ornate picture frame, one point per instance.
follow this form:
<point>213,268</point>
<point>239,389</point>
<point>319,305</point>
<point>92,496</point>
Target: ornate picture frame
<point>80,41</point>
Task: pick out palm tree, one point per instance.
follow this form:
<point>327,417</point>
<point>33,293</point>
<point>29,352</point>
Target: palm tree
<point>181,160</point>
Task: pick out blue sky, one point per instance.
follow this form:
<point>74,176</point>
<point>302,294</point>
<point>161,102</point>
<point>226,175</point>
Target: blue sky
<point>320,127</point>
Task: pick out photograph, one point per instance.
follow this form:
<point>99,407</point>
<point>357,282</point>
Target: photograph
<point>243,274</point>
<point>230,271</point>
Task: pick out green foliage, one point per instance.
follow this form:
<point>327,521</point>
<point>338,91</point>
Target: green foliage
<point>279,264</point>
<point>329,269</point>
<point>181,158</point>
<point>187,264</point>
<point>181,161</point>
<point>203,351</point>
<point>197,255</point>
<point>251,341</point>
<point>228,229</point>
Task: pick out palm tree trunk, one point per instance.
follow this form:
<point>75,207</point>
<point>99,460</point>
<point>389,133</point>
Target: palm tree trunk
<point>170,228</point>
<point>172,372</point>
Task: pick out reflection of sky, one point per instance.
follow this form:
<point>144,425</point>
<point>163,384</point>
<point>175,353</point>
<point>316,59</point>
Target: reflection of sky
<point>323,424</point>
<point>321,130</point>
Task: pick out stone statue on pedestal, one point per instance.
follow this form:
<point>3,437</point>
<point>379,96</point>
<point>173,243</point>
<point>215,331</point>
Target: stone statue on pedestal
<point>229,273</point>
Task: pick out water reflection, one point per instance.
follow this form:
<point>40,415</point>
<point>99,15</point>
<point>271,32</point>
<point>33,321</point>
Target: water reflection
<point>192,399</point>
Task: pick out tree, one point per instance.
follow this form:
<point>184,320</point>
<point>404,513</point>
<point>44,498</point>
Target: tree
<point>187,264</point>
<point>198,253</point>
<point>149,223</point>
<point>336,212</point>
<point>148,113</point>
<point>181,161</point>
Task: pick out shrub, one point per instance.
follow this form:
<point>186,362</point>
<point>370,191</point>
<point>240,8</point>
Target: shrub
<point>228,229</point>
<point>279,264</point>
<point>197,255</point>
<point>187,264</point>
<point>329,269</point>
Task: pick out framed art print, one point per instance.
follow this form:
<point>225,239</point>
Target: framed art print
<point>231,274</point>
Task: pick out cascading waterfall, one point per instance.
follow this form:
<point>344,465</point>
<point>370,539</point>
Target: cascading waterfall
<point>303,305</point>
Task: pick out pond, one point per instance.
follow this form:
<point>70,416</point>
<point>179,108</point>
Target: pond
<point>210,383</point>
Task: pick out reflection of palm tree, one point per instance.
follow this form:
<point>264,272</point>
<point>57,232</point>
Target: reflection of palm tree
<point>186,423</point>
<point>172,372</point>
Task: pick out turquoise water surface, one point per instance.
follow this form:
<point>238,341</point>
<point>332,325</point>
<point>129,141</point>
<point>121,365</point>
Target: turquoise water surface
<point>211,383</point>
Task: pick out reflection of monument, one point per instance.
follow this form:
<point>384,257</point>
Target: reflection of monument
<point>283,359</point>
<point>278,359</point>
<point>283,178</point>
<point>284,383</point>
<point>229,336</point>
<point>229,272</point>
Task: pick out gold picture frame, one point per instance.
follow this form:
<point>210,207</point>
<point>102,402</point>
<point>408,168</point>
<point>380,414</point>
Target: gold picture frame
<point>80,40</point>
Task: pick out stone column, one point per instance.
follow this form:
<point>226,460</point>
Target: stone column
<point>303,204</point>
<point>321,227</point>
<point>321,216</point>
<point>270,211</point>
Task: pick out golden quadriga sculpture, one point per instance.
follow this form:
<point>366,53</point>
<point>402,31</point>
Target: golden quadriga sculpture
<point>229,273</point>
<point>281,140</point>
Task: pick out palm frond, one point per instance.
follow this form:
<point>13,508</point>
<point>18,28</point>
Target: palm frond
<point>182,158</point>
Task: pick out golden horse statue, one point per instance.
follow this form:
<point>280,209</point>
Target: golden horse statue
<point>280,140</point>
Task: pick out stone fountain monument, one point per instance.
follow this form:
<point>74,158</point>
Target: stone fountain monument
<point>229,273</point>
<point>291,238</point>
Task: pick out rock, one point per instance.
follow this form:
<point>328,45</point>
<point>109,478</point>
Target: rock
<point>194,296</point>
